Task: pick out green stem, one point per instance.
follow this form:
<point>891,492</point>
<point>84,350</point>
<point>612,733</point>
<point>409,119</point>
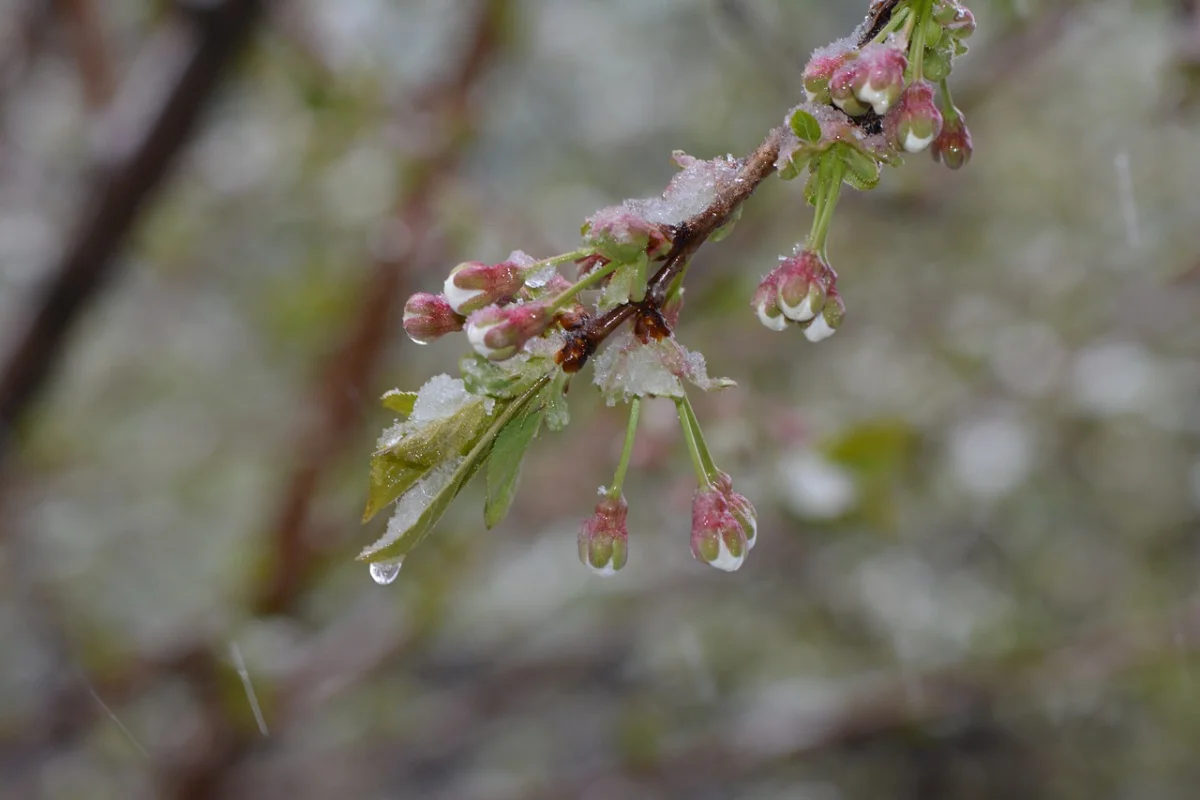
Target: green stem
<point>950,111</point>
<point>589,280</point>
<point>710,466</point>
<point>830,173</point>
<point>898,19</point>
<point>635,407</point>
<point>922,10</point>
<point>689,437</point>
<point>554,261</point>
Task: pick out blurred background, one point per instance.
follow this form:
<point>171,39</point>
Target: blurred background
<point>977,570</point>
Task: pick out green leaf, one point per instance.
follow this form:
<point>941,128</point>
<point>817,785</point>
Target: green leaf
<point>481,448</point>
<point>400,402</point>
<point>619,288</point>
<point>813,185</point>
<point>558,413</point>
<point>805,125</point>
<point>862,171</point>
<point>502,380</point>
<point>726,227</point>
<point>504,464</point>
<point>396,468</point>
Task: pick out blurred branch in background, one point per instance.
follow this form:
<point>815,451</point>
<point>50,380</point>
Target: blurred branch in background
<point>137,141</point>
<point>91,52</point>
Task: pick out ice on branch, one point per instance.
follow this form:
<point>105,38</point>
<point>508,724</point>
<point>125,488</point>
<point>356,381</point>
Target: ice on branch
<point>629,368</point>
<point>413,503</point>
<point>692,190</point>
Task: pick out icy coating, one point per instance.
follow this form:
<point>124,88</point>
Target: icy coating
<point>413,503</point>
<point>691,191</point>
<point>440,397</point>
<point>628,368</point>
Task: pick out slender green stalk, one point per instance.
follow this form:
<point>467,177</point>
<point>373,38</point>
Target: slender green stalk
<point>706,459</point>
<point>554,261</point>
<point>635,407</point>
<point>950,111</point>
<point>689,437</point>
<point>589,280</point>
<point>922,11</point>
<point>899,18</point>
<point>829,186</point>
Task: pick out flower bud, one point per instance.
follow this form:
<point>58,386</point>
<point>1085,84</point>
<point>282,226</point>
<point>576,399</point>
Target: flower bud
<point>428,316</point>
<point>765,303</point>
<point>916,121</point>
<point>831,318</point>
<point>802,282</point>
<point>621,235</point>
<point>499,332</point>
<point>953,147</point>
<point>740,507</point>
<point>473,284</point>
<point>875,79</point>
<point>717,537</point>
<point>819,70</point>
<point>961,23</point>
<point>604,537</point>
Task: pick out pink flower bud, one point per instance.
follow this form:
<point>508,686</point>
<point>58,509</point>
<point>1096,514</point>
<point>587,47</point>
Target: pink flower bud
<point>916,121</point>
<point>875,79</point>
<point>740,507</point>
<point>802,282</point>
<point>765,303</point>
<point>718,538</point>
<point>953,147</point>
<point>604,537</point>
<point>428,316</point>
<point>473,284</point>
<point>830,319</point>
<point>819,70</point>
<point>499,332</point>
<point>621,235</point>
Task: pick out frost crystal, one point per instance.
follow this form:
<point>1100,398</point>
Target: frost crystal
<point>441,397</point>
<point>629,369</point>
<point>691,191</point>
<point>413,503</point>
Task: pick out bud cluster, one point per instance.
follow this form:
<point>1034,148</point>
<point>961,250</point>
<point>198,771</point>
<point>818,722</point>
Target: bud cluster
<point>801,291</point>
<point>724,525</point>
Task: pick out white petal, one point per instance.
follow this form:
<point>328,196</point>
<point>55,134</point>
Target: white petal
<point>456,297</point>
<point>726,560</point>
<point>877,99</point>
<point>475,335</point>
<point>801,312</point>
<point>916,144</point>
<point>819,330</point>
<point>774,323</point>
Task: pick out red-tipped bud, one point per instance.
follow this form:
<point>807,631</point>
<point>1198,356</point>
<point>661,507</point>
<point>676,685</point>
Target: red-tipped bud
<point>765,303</point>
<point>621,235</point>
<point>875,79</point>
<point>953,147</point>
<point>830,319</point>
<point>499,332</point>
<point>718,538</point>
<point>604,537</point>
<point>428,316</point>
<point>740,507</point>
<point>473,284</point>
<point>819,70</point>
<point>916,121</point>
<point>802,283</point>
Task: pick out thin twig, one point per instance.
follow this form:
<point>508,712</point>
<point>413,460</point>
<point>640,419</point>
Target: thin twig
<point>92,58</point>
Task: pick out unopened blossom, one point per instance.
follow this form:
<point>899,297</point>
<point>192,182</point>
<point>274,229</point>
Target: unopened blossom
<point>916,120</point>
<point>604,536</point>
<point>741,508</point>
<point>952,146</point>
<point>765,303</point>
<point>819,70</point>
<point>873,80</point>
<point>718,538</point>
<point>428,316</point>
<point>802,282</point>
<point>474,284</point>
<point>829,320</point>
<point>499,332</point>
<point>960,22</point>
<point>621,235</point>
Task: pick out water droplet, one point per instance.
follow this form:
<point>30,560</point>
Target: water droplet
<point>384,572</point>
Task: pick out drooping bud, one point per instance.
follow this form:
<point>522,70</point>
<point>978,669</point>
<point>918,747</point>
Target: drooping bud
<point>874,79</point>
<point>803,281</point>
<point>765,303</point>
<point>819,70</point>
<point>830,319</point>
<point>604,537</point>
<point>916,121</point>
<point>953,147</point>
<point>740,507</point>
<point>718,538</point>
<point>428,316</point>
<point>473,284</point>
<point>499,332</point>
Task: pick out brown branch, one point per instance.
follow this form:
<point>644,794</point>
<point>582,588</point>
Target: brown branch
<point>169,87</point>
